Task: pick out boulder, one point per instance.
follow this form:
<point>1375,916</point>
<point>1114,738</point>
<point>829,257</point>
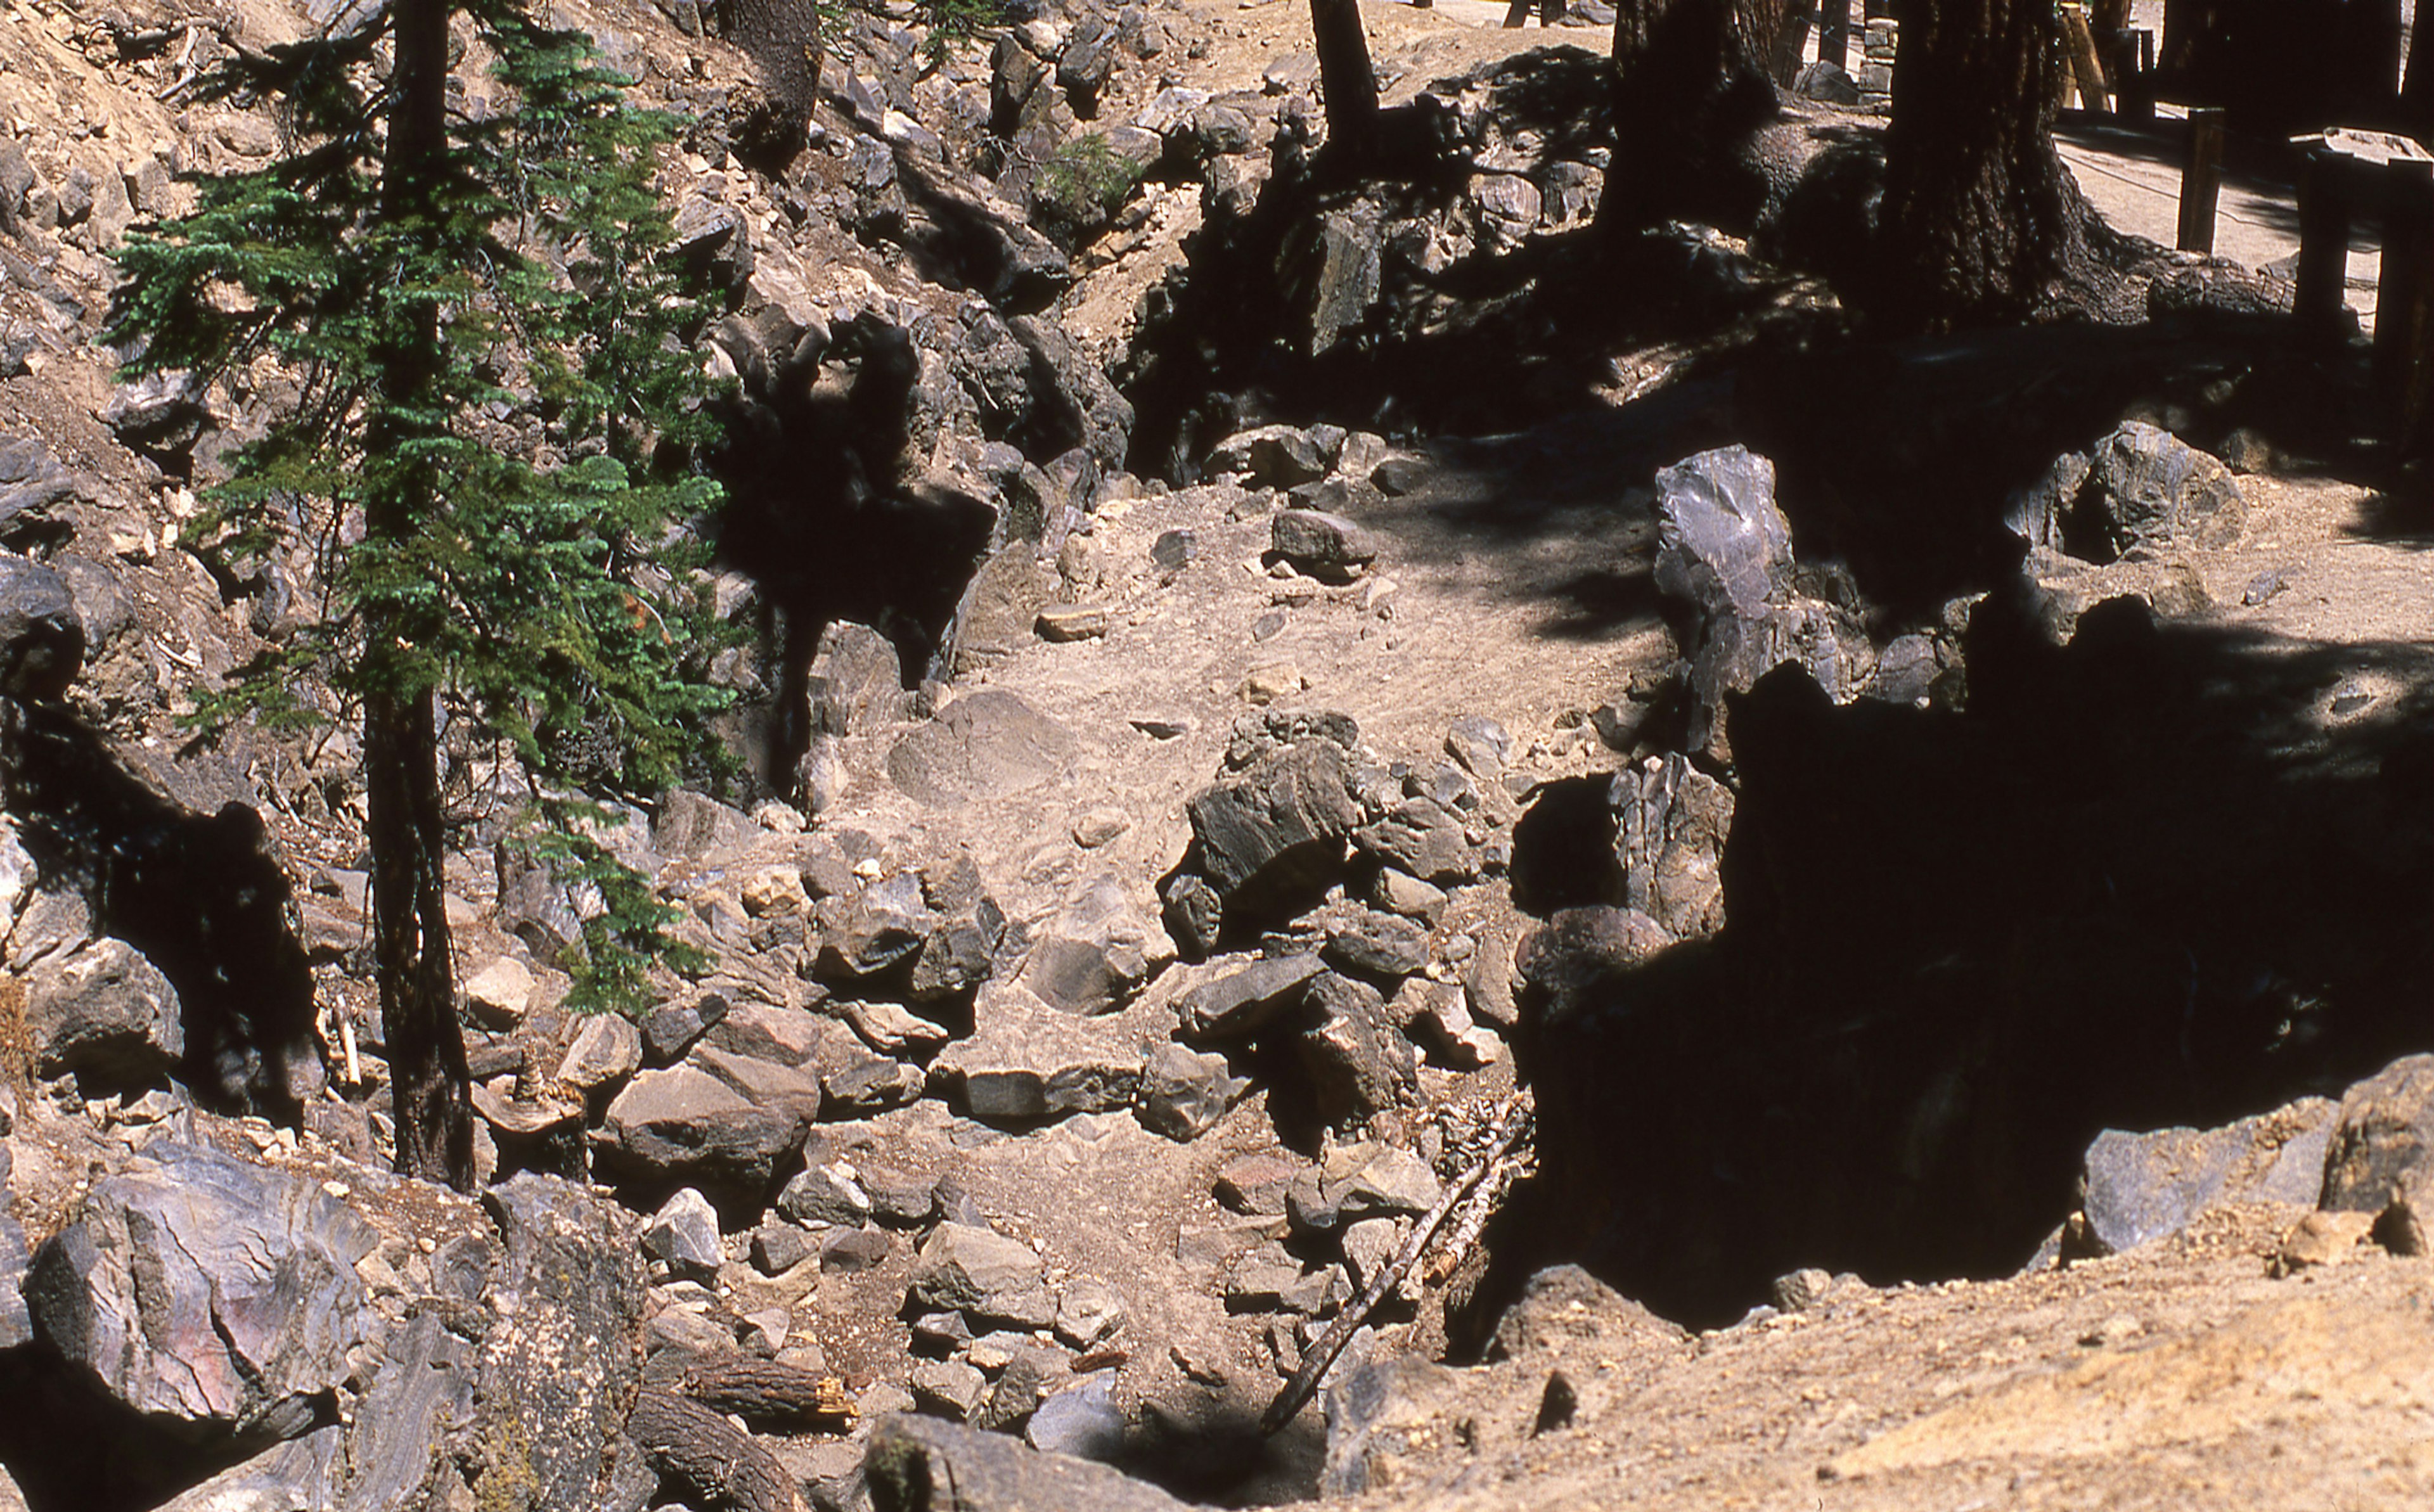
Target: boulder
<point>1355,1063</point>
<point>1578,953</point>
<point>1671,821</point>
<point>856,681</point>
<point>1271,456</point>
<point>1360,1180</point>
<point>672,1029</point>
<point>1024,1063</point>
<point>2147,487</point>
<point>986,743</point>
<point>682,1126</point>
<point>913,1457</point>
<point>1422,838</point>
<point>212,1291</point>
<point>787,1089</point>
<point>1327,546</point>
<point>607,1050</point>
<point>2141,1187</point>
<point>980,1273</point>
<point>2382,1138</point>
<point>1184,1093</point>
<point>683,1237</point>
<point>1242,1003</point>
<point>1095,952</point>
<point>104,1013</point>
<point>878,927</point>
<point>1276,832</point>
<point>1379,945</point>
<point>563,1347</point>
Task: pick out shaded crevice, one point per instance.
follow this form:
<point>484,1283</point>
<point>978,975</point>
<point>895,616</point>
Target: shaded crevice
<point>201,895</point>
<point>2137,883</point>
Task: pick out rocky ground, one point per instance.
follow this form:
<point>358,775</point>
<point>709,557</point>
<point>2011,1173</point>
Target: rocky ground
<point>1198,796</point>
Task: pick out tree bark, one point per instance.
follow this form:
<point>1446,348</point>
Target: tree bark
<point>404,823</point>
<point>1344,76</point>
<point>755,1389</point>
<point>1979,216</point>
<point>2417,85</point>
<point>1692,82</point>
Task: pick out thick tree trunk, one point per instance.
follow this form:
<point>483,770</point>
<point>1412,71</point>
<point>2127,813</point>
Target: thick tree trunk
<point>403,818</point>
<point>1692,83</point>
<point>1980,216</point>
<point>701,1454</point>
<point>1344,76</point>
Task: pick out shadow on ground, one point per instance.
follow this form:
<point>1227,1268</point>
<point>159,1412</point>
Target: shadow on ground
<point>2163,876</point>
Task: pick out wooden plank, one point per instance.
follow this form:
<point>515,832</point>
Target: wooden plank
<point>2085,65</point>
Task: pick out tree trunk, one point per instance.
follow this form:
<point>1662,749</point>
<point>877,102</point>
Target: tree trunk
<point>403,818</point>
<point>1344,76</point>
<point>1692,83</point>
<point>1980,215</point>
<point>2417,85</point>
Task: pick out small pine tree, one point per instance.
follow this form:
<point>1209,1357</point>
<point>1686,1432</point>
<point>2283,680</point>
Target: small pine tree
<point>488,456</point>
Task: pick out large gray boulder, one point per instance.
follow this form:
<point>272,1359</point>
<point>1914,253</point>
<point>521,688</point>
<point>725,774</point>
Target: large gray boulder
<point>106,1013</point>
<point>560,1362</point>
<point>209,1290</point>
<point>2141,1187</point>
<point>1096,951</point>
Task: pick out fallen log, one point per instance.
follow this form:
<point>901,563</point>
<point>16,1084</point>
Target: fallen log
<point>707,1460</point>
<point>755,1389</point>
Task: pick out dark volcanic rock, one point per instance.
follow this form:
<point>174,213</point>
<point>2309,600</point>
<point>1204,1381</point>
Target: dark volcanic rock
<point>41,639</point>
<point>2383,1142</point>
<point>1357,1064</point>
<point>1184,1093</point>
<point>2147,487</point>
<point>1242,1003</point>
<point>1277,831</point>
<point>1671,821</point>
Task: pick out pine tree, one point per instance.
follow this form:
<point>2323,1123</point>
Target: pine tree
<point>488,457</point>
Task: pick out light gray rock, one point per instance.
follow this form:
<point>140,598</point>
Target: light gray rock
<point>856,683</point>
<point>825,1195</point>
<point>683,1237</point>
<point>1360,1180</point>
<point>1184,1093</point>
<point>1083,1421</point>
<point>106,1013</point>
<point>1096,951</point>
<point>1021,1066</point>
<point>980,1273</point>
<point>922,1464</point>
<point>607,1050</point>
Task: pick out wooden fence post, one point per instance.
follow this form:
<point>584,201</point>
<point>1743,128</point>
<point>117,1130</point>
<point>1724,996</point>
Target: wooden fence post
<point>2323,245</point>
<point>2201,181</point>
<point>2085,66</point>
<point>2404,301</point>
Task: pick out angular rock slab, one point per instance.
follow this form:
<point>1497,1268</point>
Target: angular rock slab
<point>1278,829</point>
<point>201,1288</point>
<point>922,1464</point>
<point>2144,1186</point>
